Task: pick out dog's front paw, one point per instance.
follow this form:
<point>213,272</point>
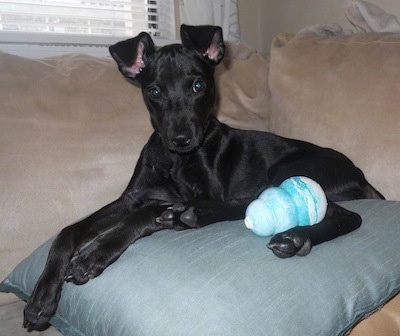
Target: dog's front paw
<point>179,217</point>
<point>290,243</point>
<point>87,265</point>
<point>38,311</point>
<point>78,275</point>
<point>81,272</point>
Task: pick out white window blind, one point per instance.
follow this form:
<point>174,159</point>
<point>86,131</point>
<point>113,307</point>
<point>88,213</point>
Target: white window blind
<point>84,22</point>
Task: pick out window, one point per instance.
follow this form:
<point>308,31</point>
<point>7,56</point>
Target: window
<point>84,22</point>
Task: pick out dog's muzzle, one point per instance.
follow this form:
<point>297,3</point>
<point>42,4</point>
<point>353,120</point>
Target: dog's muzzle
<point>182,139</point>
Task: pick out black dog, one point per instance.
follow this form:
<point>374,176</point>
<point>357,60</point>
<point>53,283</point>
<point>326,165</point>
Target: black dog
<point>193,171</point>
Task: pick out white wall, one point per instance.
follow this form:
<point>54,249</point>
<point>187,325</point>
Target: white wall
<point>261,20</point>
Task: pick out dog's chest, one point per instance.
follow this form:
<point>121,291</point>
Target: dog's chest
<point>193,179</point>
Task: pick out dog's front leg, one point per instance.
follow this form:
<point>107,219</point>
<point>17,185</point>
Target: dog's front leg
<point>43,302</point>
<point>299,240</point>
<point>108,247</point>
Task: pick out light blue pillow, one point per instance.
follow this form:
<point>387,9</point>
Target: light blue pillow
<point>221,280</point>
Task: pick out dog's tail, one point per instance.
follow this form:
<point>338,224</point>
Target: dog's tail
<point>371,192</point>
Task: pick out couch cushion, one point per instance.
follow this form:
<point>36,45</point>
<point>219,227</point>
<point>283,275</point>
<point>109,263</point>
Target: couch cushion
<point>243,92</point>
<point>341,92</point>
<point>221,280</point>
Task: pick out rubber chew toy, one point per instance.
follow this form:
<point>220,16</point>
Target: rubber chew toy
<point>298,201</point>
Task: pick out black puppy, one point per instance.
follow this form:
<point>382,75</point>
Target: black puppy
<point>193,171</point>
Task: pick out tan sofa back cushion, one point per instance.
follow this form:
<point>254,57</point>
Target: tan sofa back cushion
<point>342,93</point>
<point>243,92</point>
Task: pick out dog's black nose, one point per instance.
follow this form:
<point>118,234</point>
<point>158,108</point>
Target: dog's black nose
<point>182,139</point>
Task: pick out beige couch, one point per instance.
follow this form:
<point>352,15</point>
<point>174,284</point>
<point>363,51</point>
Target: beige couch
<point>71,130</point>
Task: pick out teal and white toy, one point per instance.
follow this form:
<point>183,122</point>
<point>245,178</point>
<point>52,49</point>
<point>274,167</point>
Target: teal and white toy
<point>298,201</point>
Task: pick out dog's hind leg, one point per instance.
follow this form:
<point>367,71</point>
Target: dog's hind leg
<point>299,240</point>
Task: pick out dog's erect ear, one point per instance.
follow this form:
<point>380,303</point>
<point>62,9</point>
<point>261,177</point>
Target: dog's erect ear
<point>207,40</point>
<point>131,55</point>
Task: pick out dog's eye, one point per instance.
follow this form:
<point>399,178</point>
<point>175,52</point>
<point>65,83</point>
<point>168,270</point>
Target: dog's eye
<point>198,86</point>
<point>154,92</point>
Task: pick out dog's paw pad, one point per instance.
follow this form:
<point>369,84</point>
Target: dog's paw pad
<point>178,217</point>
<point>286,245</point>
<point>170,215</point>
<point>189,217</point>
<point>166,216</point>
